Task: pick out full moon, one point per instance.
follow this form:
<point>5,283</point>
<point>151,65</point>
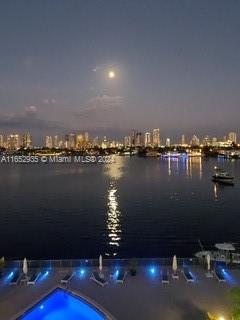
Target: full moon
<point>111,74</point>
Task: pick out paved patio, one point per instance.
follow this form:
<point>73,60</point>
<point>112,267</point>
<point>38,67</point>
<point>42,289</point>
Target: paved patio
<point>141,297</point>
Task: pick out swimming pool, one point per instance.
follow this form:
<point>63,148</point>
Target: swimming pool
<point>62,305</point>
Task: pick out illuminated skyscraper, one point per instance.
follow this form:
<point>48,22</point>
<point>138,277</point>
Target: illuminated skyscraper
<point>133,138</point>
<point>86,136</point>
<point>156,137</point>
<point>72,141</point>
<point>139,141</point>
<point>127,141</point>
<point>27,140</point>
<point>147,139</point>
<point>95,142</point>
<point>232,136</point>
<point>79,141</point>
<point>214,141</point>
<point>1,141</point>
<point>113,144</point>
<point>168,142</point>
<point>13,142</point>
<point>48,142</point>
<point>66,142</point>
<point>119,144</point>
<point>55,142</point>
<point>195,141</point>
<point>61,144</point>
<point>104,144</point>
<point>183,140</point>
<point>206,141</point>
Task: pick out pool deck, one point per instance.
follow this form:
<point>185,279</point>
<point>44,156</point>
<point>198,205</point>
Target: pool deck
<point>140,297</point>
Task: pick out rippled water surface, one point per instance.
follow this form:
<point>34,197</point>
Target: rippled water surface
<point>134,207</point>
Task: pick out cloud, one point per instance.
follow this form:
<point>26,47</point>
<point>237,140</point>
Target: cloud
<point>49,101</point>
<point>28,119</point>
<point>103,112</point>
<point>106,101</point>
<point>30,111</point>
<point>103,103</point>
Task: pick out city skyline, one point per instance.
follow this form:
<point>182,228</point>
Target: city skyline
<point>83,140</point>
<point>110,66</point>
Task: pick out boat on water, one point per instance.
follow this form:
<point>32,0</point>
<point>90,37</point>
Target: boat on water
<point>223,177</point>
<point>224,252</point>
<point>195,154</point>
<point>128,153</point>
<point>173,155</point>
<point>152,154</point>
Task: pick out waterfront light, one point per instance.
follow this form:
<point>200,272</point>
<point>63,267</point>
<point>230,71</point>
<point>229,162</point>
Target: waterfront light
<point>152,270</point>
<point>82,273</point>
<point>44,276</point>
<point>41,306</point>
<point>228,277</point>
<point>10,275</point>
<point>115,273</point>
<point>193,276</point>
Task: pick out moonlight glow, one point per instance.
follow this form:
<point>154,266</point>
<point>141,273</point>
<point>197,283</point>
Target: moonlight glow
<point>111,74</point>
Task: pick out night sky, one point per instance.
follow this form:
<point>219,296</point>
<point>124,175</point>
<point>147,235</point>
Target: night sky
<point>177,66</point>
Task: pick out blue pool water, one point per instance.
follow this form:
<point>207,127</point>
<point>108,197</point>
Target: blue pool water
<point>61,305</point>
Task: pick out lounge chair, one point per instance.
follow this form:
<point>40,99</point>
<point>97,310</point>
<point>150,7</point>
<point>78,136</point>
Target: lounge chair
<point>187,275</point>
<point>165,276</point>
<point>67,278</point>
<point>175,275</point>
<point>120,276</point>
<point>15,279</point>
<point>98,279</point>
<point>33,279</point>
<point>24,279</point>
<point>219,275</point>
